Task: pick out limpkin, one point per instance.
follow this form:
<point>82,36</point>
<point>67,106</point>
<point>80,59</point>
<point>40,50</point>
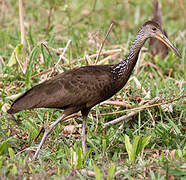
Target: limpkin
<point>157,47</point>
<point>82,88</point>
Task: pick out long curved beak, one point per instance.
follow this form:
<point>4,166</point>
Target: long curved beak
<point>164,39</point>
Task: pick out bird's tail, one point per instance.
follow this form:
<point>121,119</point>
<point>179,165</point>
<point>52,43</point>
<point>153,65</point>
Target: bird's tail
<point>28,100</point>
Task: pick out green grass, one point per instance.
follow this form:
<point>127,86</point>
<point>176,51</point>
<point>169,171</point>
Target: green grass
<point>164,157</point>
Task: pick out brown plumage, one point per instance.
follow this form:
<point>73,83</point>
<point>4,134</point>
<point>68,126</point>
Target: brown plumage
<point>82,88</point>
<point>157,47</point>
<point>73,90</point>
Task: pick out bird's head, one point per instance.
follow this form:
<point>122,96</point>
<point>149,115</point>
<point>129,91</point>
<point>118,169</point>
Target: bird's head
<point>152,30</point>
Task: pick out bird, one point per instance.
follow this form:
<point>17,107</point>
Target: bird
<point>80,89</point>
<point>157,47</point>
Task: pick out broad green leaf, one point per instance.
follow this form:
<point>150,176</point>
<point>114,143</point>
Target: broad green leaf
<point>73,156</point>
<point>11,153</point>
<point>128,147</point>
<point>79,160</point>
<point>162,157</point>
<point>145,142</point>
<point>97,173</point>
<point>139,148</point>
<point>111,171</point>
<point>1,161</point>
<point>4,147</point>
<point>18,53</point>
<point>86,155</point>
<point>13,169</point>
<point>135,147</point>
<point>104,145</point>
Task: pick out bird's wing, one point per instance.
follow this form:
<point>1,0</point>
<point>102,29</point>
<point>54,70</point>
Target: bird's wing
<point>85,85</point>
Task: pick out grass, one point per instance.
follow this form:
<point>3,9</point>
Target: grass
<point>57,21</point>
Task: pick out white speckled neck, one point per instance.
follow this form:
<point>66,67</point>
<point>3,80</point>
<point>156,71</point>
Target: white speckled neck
<point>127,65</point>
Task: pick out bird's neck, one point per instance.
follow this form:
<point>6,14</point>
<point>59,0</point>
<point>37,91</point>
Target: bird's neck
<point>125,67</point>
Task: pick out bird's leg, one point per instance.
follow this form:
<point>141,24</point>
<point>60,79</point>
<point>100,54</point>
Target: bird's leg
<point>83,135</point>
<point>47,131</point>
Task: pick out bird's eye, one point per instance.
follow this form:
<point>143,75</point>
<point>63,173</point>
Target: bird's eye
<point>154,29</point>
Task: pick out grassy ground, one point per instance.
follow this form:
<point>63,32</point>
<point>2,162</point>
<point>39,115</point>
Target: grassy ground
<point>55,22</point>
